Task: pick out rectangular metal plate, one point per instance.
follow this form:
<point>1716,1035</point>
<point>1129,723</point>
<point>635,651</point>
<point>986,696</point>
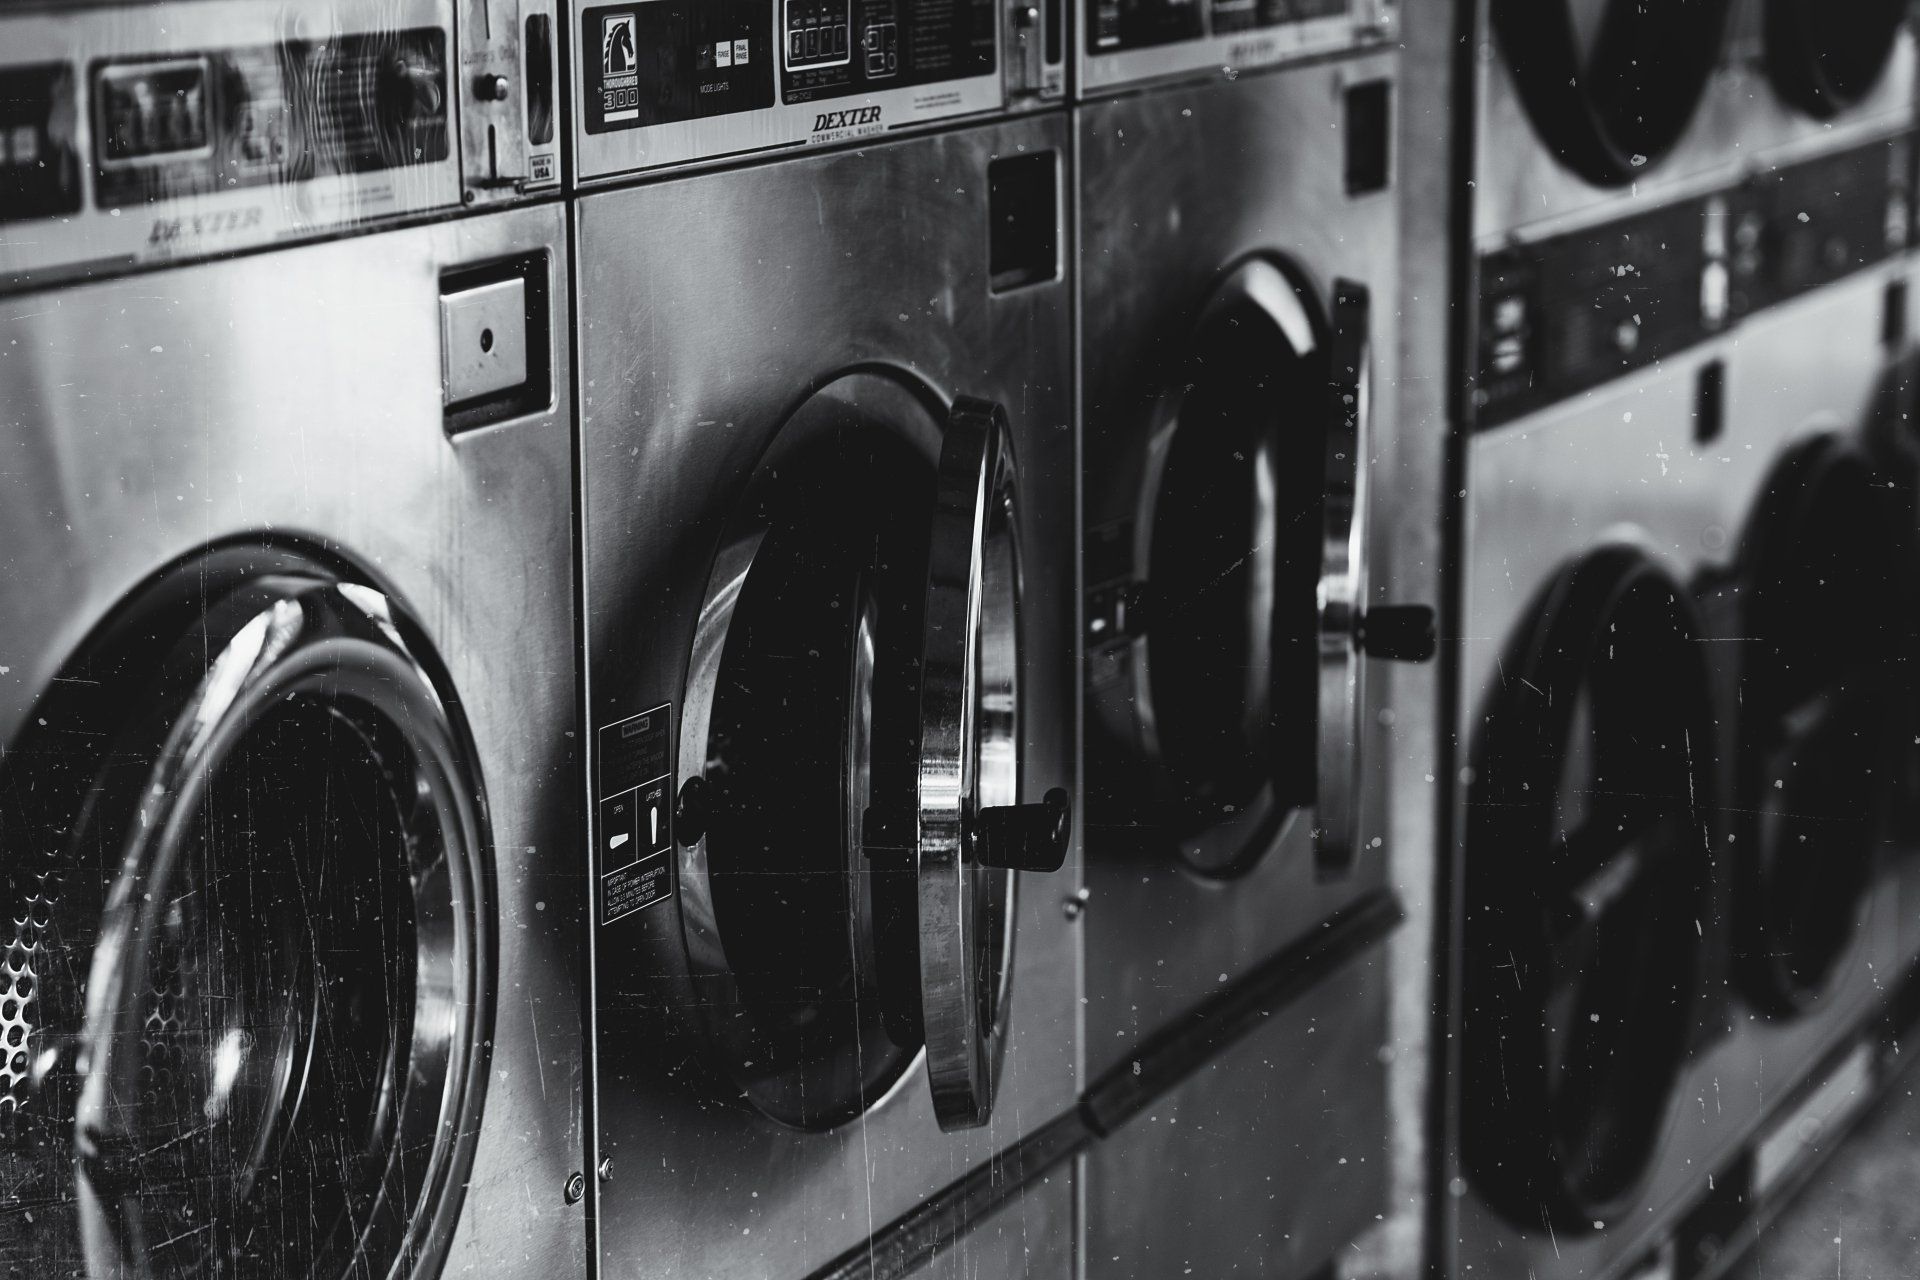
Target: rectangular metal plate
<point>483,340</point>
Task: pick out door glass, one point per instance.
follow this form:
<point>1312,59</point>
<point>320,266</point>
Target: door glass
<point>1234,563</point>
<point>248,971</point>
<point>814,717</point>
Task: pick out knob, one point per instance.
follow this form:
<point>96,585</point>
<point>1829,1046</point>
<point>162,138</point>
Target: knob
<point>1026,837</point>
<point>491,88</point>
<point>1398,633</point>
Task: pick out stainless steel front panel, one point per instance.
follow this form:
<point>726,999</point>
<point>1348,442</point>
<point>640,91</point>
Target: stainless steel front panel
<point>297,396</point>
<point>709,309</point>
<point>1622,465</point>
<point>1274,1157</point>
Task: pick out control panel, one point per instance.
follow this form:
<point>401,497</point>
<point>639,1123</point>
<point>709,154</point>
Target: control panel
<point>155,133</point>
<point>663,83</point>
<point>1128,42</point>
<point>1558,316</point>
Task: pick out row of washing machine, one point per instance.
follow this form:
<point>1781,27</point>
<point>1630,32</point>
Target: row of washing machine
<point>738,640</point>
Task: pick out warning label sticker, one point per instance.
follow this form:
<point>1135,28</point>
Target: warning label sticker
<point>633,839</point>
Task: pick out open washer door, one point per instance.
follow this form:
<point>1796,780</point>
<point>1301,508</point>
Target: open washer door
<point>246,1002</point>
<point>1587,874</point>
<point>1610,85</point>
<point>1247,614</point>
<point>1825,58</point>
<point>851,818</point>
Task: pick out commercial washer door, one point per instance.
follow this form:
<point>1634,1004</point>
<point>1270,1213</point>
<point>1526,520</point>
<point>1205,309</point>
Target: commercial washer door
<point>1825,58</point>
<point>850,760</point>
<point>1587,871</point>
<point>1823,611</point>
<point>246,997</point>
<point>1610,85</point>
<point>1247,611</point>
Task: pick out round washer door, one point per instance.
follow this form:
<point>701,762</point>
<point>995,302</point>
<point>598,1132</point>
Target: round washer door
<point>1251,613</point>
<point>1823,613</point>
<point>1587,872</point>
<point>850,758</point>
<point>1610,85</point>
<point>250,985</point>
<point>1825,58</point>
<point>1230,542</point>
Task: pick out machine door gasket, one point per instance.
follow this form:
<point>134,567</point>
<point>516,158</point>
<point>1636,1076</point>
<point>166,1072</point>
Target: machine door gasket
<point>1611,85</point>
<point>1587,875</point>
<point>258,833</point>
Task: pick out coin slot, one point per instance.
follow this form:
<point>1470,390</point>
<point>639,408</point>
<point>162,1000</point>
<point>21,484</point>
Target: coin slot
<point>1709,402</point>
<point>1369,133</point>
<point>539,45</point>
<point>496,341</point>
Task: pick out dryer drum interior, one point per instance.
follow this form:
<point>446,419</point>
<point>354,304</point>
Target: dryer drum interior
<point>1825,58</point>
<point>1227,615</point>
<point>1823,614</point>
<point>244,1006</point>
<point>853,695</point>
<point>1610,85</point>
<point>1587,876</point>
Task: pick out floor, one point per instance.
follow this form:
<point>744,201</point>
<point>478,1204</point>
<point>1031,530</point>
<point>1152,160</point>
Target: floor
<point>1859,1218</point>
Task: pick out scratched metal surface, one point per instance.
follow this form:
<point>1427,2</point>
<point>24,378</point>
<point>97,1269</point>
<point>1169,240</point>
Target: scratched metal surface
<point>694,354</point>
<point>298,395</point>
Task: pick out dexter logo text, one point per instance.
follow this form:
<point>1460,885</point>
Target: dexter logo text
<point>195,226</point>
<point>827,121</point>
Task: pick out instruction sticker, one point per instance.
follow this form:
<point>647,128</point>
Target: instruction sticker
<point>635,819</point>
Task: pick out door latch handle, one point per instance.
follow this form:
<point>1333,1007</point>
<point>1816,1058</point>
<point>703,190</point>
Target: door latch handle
<point>1398,633</point>
<point>1025,837</point>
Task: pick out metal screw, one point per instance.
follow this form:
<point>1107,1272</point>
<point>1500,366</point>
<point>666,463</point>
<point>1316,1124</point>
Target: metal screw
<point>576,1187</point>
<point>1076,906</point>
<point>606,1169</point>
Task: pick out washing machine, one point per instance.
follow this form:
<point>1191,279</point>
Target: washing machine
<point>827,473</point>
<point>677,83</point>
<point>136,135</point>
<point>291,975</point>
<point>1243,583</point>
<point>1685,272</point>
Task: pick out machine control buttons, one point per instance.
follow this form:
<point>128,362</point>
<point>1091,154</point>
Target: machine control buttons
<point>817,33</point>
<point>483,340</point>
<point>1561,315</point>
